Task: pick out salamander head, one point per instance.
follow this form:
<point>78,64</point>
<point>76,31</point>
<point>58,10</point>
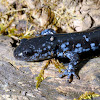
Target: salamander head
<point>35,49</point>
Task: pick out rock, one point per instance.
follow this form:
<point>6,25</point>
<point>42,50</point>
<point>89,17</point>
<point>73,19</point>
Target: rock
<point>2,8</point>
<point>18,79</point>
<point>83,24</point>
<point>43,16</point>
<point>11,1</point>
<point>95,14</point>
<point>87,22</point>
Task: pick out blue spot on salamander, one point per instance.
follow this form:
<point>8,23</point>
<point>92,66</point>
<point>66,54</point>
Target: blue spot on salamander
<point>86,38</point>
<point>78,45</point>
<point>93,46</point>
<point>78,50</point>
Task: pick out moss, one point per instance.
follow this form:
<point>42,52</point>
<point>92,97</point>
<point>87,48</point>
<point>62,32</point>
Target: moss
<point>88,95</point>
<point>40,77</point>
<point>58,65</point>
<point>3,27</point>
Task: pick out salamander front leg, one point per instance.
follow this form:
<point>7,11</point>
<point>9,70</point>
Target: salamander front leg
<point>70,71</point>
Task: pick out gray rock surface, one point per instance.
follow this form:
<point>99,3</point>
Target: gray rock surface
<point>17,78</point>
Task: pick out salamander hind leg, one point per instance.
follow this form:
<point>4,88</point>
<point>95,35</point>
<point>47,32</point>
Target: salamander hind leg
<point>48,32</point>
<point>70,71</point>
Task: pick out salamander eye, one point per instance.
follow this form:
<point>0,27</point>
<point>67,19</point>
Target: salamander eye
<point>28,52</point>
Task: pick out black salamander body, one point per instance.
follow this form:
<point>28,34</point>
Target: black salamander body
<point>48,46</point>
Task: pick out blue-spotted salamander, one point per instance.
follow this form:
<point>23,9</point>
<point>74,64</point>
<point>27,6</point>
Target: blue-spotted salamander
<point>52,45</point>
